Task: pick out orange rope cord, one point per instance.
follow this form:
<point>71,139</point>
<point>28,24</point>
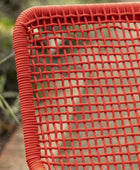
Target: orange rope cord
<point>78,70</point>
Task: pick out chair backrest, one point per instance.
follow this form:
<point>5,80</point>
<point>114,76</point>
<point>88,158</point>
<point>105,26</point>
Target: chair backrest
<point>78,70</point>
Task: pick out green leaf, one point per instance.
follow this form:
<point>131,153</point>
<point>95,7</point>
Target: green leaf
<point>1,105</point>
<point>6,58</point>
<point>2,82</point>
<point>9,94</point>
<point>9,108</point>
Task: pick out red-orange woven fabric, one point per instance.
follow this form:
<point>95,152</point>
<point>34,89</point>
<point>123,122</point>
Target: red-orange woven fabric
<point>78,70</point>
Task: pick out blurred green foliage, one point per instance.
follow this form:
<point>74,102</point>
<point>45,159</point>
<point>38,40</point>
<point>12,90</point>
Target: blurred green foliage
<point>63,2</point>
<point>6,26</point>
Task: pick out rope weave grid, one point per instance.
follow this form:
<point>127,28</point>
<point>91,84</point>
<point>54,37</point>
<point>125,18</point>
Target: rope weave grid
<point>84,68</point>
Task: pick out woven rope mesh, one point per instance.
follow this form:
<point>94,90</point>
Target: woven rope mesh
<point>86,83</point>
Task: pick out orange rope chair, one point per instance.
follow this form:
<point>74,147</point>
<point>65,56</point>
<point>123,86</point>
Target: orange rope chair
<point>78,70</point>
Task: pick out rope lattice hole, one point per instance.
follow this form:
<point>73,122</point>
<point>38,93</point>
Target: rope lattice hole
<point>86,81</point>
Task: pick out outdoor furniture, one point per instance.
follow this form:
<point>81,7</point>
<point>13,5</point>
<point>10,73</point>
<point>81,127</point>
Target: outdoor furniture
<point>78,71</point>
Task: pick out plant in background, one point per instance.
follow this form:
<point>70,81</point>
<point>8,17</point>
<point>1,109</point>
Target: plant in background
<point>8,111</point>
<point>3,103</point>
